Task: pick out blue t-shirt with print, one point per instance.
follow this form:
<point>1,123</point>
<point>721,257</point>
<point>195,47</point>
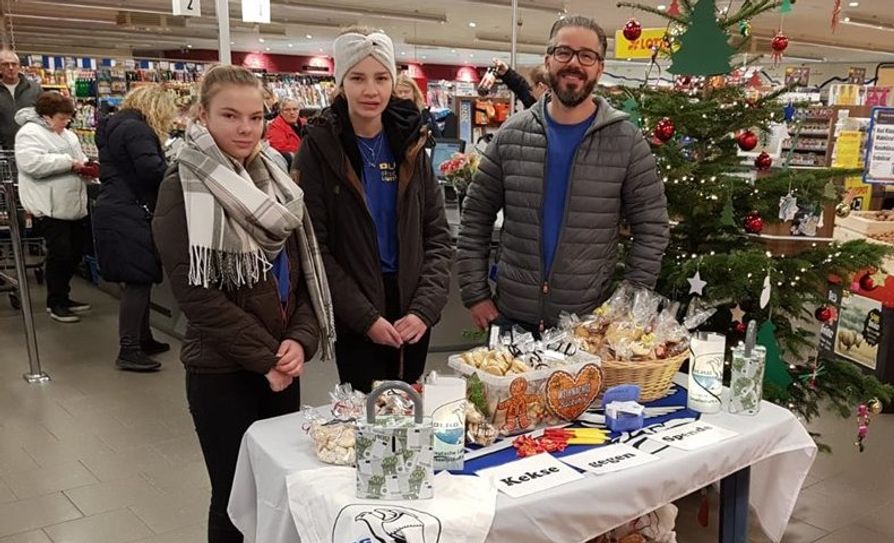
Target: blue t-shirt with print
<point>380,187</point>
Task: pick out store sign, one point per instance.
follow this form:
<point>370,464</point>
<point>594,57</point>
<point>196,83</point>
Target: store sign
<point>609,459</point>
<point>860,192</point>
<point>880,149</point>
<point>693,436</point>
<point>859,329</point>
<point>187,8</point>
<point>847,149</point>
<point>797,76</point>
<point>256,11</point>
<point>878,96</point>
<point>640,47</point>
<point>530,475</point>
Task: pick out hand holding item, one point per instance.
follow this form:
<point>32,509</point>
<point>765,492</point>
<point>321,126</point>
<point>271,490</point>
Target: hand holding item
<point>501,67</point>
<point>87,170</point>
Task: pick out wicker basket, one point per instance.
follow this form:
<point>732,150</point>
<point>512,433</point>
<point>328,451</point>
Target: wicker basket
<point>654,377</point>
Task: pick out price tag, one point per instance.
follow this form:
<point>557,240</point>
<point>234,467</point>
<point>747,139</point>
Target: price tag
<point>187,8</point>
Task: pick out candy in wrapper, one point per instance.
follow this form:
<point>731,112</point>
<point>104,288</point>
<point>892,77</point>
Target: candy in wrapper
<point>335,438</point>
<point>478,430</point>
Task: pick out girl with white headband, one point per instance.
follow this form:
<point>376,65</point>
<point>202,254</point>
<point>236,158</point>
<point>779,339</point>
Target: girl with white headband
<point>378,213</point>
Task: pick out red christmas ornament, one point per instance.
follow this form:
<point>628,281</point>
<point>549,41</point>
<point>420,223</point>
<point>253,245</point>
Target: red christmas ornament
<point>763,161</point>
<point>779,44</point>
<point>872,280</point>
<point>747,140</point>
<point>823,313</point>
<point>740,327</point>
<point>754,223</point>
<point>633,29</point>
<point>664,130</point>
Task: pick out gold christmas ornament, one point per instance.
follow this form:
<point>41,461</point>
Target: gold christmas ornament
<point>842,209</point>
<point>875,406</point>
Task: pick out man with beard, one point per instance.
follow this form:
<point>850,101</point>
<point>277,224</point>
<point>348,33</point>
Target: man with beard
<point>565,173</point>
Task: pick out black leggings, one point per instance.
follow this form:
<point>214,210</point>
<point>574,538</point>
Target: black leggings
<point>223,406</point>
<point>360,361</point>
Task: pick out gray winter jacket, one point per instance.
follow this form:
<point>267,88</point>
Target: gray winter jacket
<point>25,96</point>
<point>614,177</point>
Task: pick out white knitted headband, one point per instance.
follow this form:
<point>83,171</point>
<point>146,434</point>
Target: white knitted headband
<point>351,48</point>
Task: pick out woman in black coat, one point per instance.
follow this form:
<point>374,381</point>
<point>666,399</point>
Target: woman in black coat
<point>132,166</point>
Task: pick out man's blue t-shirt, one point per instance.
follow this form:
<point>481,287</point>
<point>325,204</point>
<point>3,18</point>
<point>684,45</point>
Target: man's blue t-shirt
<point>380,186</point>
<point>562,143</point>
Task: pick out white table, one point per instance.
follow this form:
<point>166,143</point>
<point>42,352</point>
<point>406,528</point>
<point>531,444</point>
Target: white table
<point>765,465</point>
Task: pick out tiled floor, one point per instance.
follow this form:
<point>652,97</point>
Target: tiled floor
<point>102,456</point>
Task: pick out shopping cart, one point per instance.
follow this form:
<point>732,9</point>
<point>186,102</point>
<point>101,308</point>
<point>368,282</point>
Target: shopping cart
<point>33,248</point>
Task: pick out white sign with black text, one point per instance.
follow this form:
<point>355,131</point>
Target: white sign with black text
<point>187,8</point>
<point>530,475</point>
<point>256,11</point>
<point>609,459</point>
<point>692,436</point>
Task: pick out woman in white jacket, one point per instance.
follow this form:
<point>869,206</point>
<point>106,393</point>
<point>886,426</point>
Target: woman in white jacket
<point>50,163</point>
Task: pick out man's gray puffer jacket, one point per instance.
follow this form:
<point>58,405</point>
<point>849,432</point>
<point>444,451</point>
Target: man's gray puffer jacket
<point>614,176</point>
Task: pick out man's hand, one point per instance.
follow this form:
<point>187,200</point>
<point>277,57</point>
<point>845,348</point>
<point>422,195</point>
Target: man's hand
<point>77,165</point>
<point>501,67</point>
<point>278,380</point>
<point>483,313</point>
<point>291,358</point>
<point>411,328</point>
<point>382,333</point>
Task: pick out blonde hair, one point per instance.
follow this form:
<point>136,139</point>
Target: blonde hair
<point>221,75</point>
<point>407,81</point>
<point>156,105</point>
<point>539,75</point>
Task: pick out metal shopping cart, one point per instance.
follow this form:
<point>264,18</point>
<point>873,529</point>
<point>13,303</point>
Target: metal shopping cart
<point>17,284</point>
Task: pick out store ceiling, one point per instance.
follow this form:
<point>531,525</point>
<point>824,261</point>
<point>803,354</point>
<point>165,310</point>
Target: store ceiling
<point>432,31</point>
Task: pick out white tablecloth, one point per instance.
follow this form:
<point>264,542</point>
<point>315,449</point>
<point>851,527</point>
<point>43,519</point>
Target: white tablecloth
<point>775,445</point>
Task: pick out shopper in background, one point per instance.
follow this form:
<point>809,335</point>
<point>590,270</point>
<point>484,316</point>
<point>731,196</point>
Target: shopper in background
<point>560,232</point>
<point>50,160</point>
<point>236,242</point>
<point>407,89</point>
<point>17,93</point>
<point>271,103</point>
<point>379,215</point>
<point>284,132</point>
<point>527,93</point>
<point>132,165</point>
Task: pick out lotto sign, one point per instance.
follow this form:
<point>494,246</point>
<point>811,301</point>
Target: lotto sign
<point>187,8</point>
<point>640,47</point>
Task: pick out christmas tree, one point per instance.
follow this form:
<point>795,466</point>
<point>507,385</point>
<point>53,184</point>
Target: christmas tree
<point>704,45</point>
<point>713,199</point>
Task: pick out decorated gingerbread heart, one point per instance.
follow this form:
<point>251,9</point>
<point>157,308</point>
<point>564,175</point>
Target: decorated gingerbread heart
<point>567,396</point>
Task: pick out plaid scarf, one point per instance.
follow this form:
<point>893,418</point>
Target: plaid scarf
<point>236,229</point>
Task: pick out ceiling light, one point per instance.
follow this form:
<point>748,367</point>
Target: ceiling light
<point>291,45</point>
<point>403,53</point>
<point>854,4</point>
<point>189,46</point>
<point>661,7</point>
<point>471,55</point>
<point>472,24</point>
<point>321,50</point>
<point>266,49</point>
<point>260,40</point>
<point>424,57</point>
<point>453,50</point>
<point>309,37</point>
<point>868,23</point>
<point>232,43</point>
<point>847,19</point>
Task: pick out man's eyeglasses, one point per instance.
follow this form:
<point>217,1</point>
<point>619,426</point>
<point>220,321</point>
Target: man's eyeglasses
<point>586,57</point>
<point>8,64</point>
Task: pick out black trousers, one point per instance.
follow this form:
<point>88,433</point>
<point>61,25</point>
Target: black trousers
<point>223,406</point>
<point>65,246</point>
<point>133,316</point>
<point>360,361</point>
